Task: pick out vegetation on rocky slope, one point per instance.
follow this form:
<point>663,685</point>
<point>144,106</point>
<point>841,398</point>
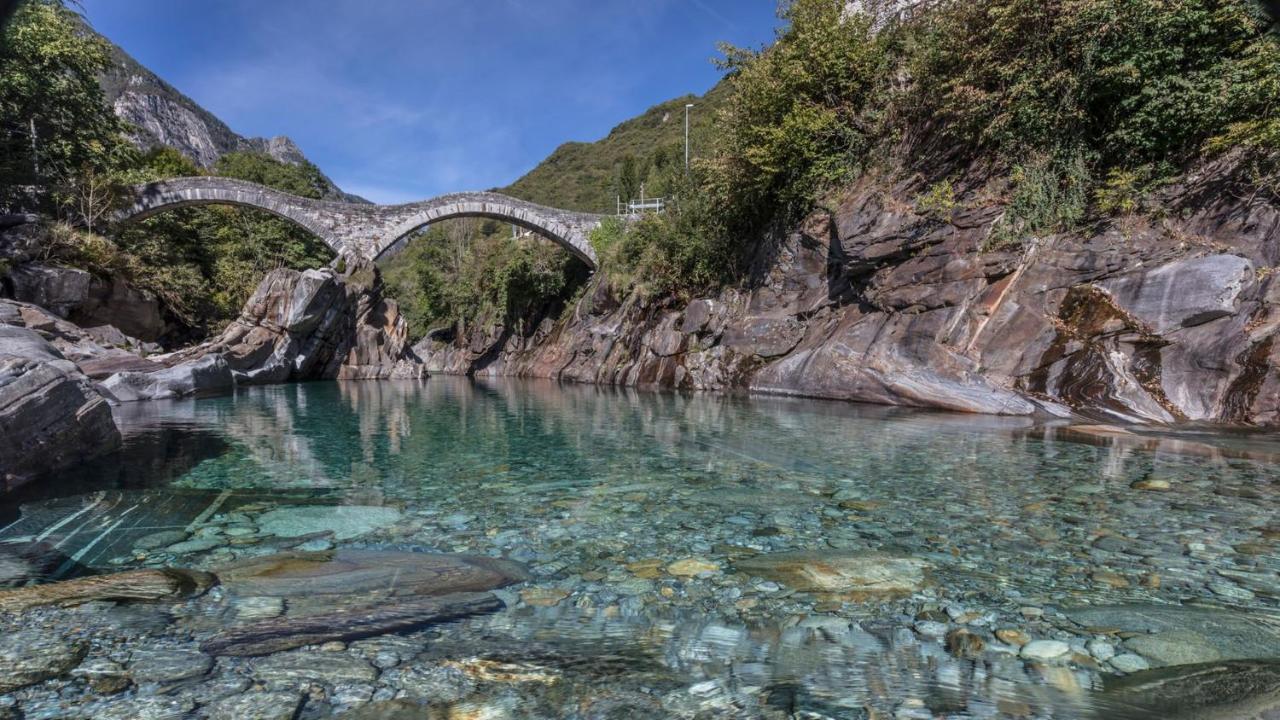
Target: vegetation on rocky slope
<point>1079,109</point>
<point>202,263</point>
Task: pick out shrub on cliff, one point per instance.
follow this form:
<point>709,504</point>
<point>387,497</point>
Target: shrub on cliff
<point>1093,95</point>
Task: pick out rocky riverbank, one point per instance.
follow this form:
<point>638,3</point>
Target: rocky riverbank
<point>57,378</point>
<point>1162,316</point>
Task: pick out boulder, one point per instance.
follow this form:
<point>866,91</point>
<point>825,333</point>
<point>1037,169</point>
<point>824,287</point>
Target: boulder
<point>332,323</point>
<point>50,414</point>
<point>206,375</point>
<point>60,290</point>
<point>114,301</point>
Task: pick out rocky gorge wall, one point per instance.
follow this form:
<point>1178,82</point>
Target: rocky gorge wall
<point>1166,316</point>
<point>57,378</point>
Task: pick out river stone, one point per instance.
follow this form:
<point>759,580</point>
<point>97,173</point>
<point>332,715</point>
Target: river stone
<point>160,539</point>
<point>194,545</point>
<point>352,572</point>
<point>30,656</point>
<point>146,708</point>
<point>290,669</point>
<point>1175,647</point>
<point>346,521</point>
<point>1187,634</point>
<point>1044,650</point>
<point>1211,691</point>
<point>255,706</point>
<point>167,664</point>
<point>840,572</point>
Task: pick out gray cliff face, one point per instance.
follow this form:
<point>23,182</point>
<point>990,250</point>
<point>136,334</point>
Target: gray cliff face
<point>160,115</point>
<point>312,325</point>
<point>1167,318</point>
<point>51,416</point>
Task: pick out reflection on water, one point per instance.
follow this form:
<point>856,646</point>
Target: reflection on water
<point>600,490</point>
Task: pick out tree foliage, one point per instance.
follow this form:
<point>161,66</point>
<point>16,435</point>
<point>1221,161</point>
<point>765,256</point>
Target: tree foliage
<point>49,69</point>
<point>464,271</point>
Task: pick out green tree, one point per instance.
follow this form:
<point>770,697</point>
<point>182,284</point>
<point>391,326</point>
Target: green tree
<point>52,111</point>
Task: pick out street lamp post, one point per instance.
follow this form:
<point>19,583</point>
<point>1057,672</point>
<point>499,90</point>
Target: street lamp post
<point>686,136</point>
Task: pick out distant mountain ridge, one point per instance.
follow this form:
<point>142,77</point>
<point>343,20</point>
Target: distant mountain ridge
<point>159,114</point>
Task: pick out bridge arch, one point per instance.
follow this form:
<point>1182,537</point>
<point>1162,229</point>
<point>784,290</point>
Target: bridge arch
<point>563,231</point>
<point>365,230</point>
<point>158,197</point>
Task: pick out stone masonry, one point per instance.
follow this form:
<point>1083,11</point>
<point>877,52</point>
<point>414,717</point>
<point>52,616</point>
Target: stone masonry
<point>365,231</point>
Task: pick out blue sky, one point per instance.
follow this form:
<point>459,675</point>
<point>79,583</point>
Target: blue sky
<point>398,100</point>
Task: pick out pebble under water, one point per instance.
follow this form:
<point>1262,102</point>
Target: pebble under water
<point>683,556</point>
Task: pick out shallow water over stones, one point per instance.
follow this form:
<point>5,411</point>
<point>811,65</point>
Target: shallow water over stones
<point>687,556</point>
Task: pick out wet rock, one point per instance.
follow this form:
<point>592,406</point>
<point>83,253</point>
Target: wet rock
<point>255,706</point>
<point>164,665</point>
<point>1045,650</point>
<point>1212,691</point>
<point>195,545</point>
<point>207,375</point>
<point>869,572</point>
<point>1130,663</point>
<point>146,708</point>
<point>160,584</point>
<point>345,521</point>
<point>543,597</point>
<point>348,573</point>
<point>1177,634</point>
<point>51,416</point>
<point>30,656</point>
<point>690,567</point>
<point>160,539</point>
<point>291,669</point>
<point>964,643</point>
<point>1174,647</point>
<point>437,683</point>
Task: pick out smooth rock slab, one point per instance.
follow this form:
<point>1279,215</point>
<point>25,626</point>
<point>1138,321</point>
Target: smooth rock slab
<point>256,706</point>
<point>346,521</point>
<point>871,572</point>
<point>350,572</point>
<point>30,656</point>
<point>293,668</point>
<point>1211,691</point>
<point>168,664</point>
<point>1187,634</point>
<point>1175,647</point>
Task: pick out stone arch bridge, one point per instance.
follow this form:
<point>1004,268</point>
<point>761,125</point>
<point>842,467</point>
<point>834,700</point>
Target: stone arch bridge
<point>360,230</point>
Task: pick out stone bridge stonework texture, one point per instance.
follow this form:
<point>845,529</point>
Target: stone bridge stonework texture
<point>365,231</point>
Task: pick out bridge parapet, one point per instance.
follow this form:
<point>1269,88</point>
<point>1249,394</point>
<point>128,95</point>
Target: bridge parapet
<point>366,231</point>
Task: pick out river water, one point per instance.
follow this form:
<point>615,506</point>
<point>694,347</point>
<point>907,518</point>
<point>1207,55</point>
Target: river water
<point>689,555</point>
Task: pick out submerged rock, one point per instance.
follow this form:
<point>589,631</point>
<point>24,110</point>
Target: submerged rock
<point>351,572</point>
<point>872,572</point>
<point>255,706</point>
<point>1235,690</point>
<point>292,669</point>
<point>346,521</point>
<point>30,656</point>
<point>1182,634</point>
